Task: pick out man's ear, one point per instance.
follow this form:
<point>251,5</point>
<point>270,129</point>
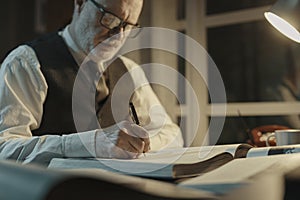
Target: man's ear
<point>79,4</point>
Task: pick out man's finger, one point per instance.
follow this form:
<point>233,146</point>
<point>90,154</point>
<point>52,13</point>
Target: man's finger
<point>128,142</point>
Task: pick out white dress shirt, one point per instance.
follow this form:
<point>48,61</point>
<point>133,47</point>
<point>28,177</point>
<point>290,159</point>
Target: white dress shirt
<point>23,90</point>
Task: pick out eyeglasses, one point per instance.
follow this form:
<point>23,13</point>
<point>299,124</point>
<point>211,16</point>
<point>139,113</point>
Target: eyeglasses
<point>111,21</point>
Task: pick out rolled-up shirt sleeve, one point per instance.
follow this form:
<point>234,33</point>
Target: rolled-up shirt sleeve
<point>23,90</point>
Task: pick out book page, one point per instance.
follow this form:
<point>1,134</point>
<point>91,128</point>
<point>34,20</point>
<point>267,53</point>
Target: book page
<point>187,155</point>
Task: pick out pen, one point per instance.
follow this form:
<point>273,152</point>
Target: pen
<point>135,117</point>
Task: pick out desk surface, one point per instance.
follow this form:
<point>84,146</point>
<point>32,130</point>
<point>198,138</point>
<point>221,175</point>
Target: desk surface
<point>155,189</point>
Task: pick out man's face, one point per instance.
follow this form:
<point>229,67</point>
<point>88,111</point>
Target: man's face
<point>90,32</point>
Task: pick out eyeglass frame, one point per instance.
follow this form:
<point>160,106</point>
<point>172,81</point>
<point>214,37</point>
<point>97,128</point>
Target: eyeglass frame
<point>122,24</point>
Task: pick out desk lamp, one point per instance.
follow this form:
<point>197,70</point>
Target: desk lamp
<point>284,15</point>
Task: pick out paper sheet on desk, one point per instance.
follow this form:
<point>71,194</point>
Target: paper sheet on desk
<point>233,175</point>
<point>236,171</point>
<point>240,172</point>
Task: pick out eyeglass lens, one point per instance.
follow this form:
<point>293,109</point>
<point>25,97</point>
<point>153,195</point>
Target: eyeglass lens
<point>111,22</point>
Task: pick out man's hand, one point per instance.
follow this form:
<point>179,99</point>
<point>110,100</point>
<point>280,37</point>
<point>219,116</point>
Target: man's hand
<point>123,140</point>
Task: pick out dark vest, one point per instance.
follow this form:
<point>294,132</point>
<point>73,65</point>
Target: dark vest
<point>60,69</point>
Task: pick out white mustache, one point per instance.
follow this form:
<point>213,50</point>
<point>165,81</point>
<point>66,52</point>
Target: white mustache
<point>112,45</point>
<point>113,41</point>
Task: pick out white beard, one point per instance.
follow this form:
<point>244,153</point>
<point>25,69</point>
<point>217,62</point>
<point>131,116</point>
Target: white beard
<point>105,50</point>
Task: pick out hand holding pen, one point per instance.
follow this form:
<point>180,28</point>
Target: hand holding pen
<point>126,140</point>
<point>137,122</point>
<point>123,140</point>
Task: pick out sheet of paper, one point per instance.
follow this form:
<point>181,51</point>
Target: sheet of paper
<point>243,169</point>
<point>235,171</point>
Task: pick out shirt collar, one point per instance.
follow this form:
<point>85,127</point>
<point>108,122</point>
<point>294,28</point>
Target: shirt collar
<point>78,54</point>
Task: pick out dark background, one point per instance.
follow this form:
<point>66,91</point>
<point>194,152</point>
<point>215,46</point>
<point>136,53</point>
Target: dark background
<point>18,20</point>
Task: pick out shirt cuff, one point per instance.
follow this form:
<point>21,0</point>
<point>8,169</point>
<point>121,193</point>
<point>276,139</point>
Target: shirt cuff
<point>79,145</point>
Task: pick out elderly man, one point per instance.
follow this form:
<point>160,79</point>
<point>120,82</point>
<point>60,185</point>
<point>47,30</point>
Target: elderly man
<point>37,122</point>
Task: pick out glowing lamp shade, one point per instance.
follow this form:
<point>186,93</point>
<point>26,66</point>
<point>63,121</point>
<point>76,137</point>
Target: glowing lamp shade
<point>284,15</point>
<point>283,26</point>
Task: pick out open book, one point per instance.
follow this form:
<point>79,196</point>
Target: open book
<point>166,164</point>
<point>174,163</point>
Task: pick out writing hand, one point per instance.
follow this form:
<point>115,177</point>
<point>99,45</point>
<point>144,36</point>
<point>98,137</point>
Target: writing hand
<point>124,140</point>
<point>133,138</point>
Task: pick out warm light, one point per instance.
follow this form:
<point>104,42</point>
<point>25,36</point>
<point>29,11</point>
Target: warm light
<point>283,26</point>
